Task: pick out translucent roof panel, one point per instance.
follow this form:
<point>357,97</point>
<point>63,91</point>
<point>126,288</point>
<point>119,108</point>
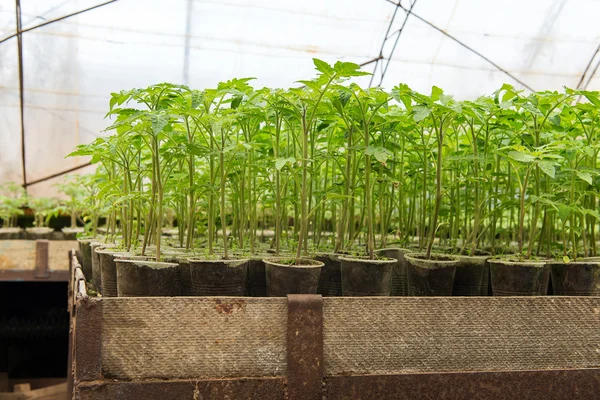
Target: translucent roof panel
<point>72,66</point>
<point>545,44</point>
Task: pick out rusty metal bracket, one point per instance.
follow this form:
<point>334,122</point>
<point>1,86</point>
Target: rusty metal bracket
<point>41,259</point>
<point>305,346</point>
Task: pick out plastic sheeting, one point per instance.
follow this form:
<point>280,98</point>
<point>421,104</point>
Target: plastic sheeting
<point>71,66</point>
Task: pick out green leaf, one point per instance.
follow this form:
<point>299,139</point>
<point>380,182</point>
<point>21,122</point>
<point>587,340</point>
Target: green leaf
<point>381,154</point>
<point>566,259</point>
<point>281,162</point>
<point>436,92</point>
<point>197,98</point>
<point>322,66</point>
<point>555,119</point>
<point>421,112</point>
<point>347,69</point>
<point>159,121</point>
<point>585,176</point>
<point>547,167</point>
<point>236,101</point>
<point>592,99</point>
<point>521,157</point>
<point>564,212</point>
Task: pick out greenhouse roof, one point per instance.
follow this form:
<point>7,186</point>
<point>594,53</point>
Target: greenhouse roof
<point>75,52</point>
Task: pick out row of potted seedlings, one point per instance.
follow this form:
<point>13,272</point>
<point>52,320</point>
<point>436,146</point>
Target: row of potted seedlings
<point>14,201</point>
<point>336,189</point>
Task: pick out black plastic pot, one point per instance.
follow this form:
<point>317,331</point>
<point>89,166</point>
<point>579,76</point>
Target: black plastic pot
<point>362,276</point>
<point>71,233</point>
<point>430,277</point>
<point>400,273</point>
<point>218,277</point>
<point>283,279</point>
<point>147,278</point>
<point>108,270</point>
<point>256,281</point>
<point>181,258</point>
<point>471,277</point>
<point>330,280</point>
<point>96,277</point>
<point>519,278</point>
<point>85,249</point>
<point>11,233</point>
<point>580,278</point>
<point>39,233</point>
<point>587,259</point>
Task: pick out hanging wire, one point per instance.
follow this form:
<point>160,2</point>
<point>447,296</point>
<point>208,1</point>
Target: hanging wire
<point>409,11</point>
<point>589,64</point>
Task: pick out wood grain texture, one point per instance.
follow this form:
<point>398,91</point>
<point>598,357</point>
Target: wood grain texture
<point>21,254</point>
<point>192,337</point>
<point>404,335</point>
<point>187,337</point>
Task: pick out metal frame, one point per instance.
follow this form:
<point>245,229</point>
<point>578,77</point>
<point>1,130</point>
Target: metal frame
<point>408,11</point>
<point>19,35</point>
<point>591,76</point>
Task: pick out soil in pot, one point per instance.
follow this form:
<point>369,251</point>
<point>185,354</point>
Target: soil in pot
<point>430,277</point>
<point>471,278</point>
<point>362,276</point>
<point>256,280</point>
<point>519,278</point>
<point>400,273</point>
<point>218,277</point>
<point>10,233</point>
<point>577,278</point>
<point>108,270</point>
<point>147,278</point>
<point>330,279</point>
<point>284,276</point>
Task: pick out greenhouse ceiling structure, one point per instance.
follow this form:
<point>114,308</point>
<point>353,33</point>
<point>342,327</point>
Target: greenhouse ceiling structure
<point>61,59</point>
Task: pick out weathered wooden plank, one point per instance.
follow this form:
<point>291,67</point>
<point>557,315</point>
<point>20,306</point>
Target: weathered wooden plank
<point>193,389</point>
<point>429,334</point>
<point>581,384</point>
<point>187,337</point>
<point>21,254</point>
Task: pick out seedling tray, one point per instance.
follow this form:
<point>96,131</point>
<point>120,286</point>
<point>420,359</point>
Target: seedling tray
<point>308,347</point>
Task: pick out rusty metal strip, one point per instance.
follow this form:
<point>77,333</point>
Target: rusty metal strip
<point>508,385</point>
<point>305,347</point>
<point>218,389</point>
<point>88,340</point>
<point>41,259</point>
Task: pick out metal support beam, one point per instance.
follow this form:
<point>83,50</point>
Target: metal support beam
<point>383,60</point>
<point>584,76</point>
<point>54,20</point>
<point>56,175</point>
<point>19,35</point>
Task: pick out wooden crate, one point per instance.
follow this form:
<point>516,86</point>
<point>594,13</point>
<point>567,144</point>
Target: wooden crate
<point>309,347</point>
<point>35,260</point>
